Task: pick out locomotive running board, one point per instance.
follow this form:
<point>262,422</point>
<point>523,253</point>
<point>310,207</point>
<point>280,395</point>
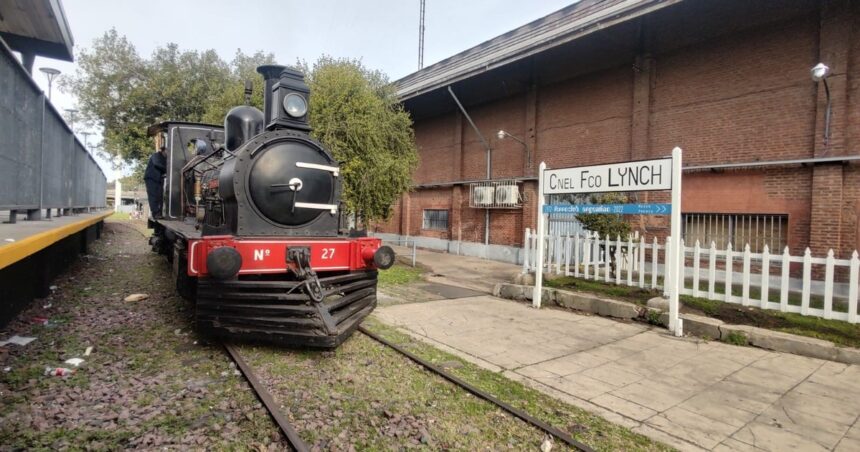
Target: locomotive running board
<point>280,312</point>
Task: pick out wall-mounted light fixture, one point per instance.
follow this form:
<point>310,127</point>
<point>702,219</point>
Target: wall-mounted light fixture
<point>501,134</point>
<point>819,73</point>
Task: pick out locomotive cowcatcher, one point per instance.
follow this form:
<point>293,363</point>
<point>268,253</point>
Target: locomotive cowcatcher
<point>253,224</point>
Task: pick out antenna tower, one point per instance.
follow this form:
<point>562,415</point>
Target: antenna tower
<point>421,37</point>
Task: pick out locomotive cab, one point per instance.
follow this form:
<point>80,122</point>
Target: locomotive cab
<point>253,224</point>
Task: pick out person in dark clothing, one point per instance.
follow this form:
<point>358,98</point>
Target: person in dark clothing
<point>153,177</point>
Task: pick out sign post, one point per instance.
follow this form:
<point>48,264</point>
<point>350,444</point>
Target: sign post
<point>541,238</point>
<point>644,175</point>
<point>675,324</point>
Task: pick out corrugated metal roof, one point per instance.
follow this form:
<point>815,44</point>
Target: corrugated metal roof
<point>562,26</point>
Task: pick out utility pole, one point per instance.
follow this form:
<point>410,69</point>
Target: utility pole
<point>421,37</point>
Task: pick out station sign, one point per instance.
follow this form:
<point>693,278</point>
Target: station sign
<point>642,175</point>
<point>617,177</point>
<point>624,209</point>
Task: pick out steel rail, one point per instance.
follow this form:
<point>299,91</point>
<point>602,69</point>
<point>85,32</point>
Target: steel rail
<point>480,393</point>
<point>270,404</point>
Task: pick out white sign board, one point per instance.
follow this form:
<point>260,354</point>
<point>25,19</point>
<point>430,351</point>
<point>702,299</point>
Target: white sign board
<point>659,174</point>
<point>628,176</point>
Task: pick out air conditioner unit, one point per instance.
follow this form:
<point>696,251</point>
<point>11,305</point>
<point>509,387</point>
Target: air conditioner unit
<point>483,196</point>
<point>507,195</point>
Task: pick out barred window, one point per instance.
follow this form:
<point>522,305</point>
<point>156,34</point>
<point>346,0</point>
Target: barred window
<point>436,219</point>
<point>737,229</point>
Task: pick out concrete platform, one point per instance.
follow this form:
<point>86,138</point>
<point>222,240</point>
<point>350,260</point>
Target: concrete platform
<point>33,253</point>
<point>688,393</point>
<point>24,238</point>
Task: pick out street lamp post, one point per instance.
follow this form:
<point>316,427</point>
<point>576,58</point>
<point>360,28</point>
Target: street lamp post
<point>819,73</point>
<point>72,112</point>
<point>86,137</point>
<point>501,134</point>
<point>50,73</point>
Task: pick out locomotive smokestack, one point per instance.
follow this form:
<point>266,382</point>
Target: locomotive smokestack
<point>271,73</point>
<point>249,91</point>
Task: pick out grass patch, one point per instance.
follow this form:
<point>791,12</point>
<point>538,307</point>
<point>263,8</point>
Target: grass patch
<point>737,338</point>
<point>632,294</point>
<point>836,331</point>
<point>399,274</point>
<point>585,427</point>
<point>122,216</point>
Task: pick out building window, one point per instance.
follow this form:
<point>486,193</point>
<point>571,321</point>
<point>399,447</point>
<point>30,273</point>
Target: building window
<point>436,219</point>
<point>737,229</point>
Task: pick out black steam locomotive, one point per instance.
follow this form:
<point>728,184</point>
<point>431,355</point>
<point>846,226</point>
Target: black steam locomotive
<point>254,228</point>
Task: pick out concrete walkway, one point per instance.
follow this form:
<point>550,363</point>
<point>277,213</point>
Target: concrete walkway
<point>690,394</point>
<point>464,271</point>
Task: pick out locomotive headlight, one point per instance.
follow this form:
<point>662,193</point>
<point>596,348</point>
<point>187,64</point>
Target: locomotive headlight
<point>295,105</point>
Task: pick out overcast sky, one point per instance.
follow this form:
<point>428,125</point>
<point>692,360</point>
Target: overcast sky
<point>383,33</point>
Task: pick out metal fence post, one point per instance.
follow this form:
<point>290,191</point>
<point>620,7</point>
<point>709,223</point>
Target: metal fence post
<point>414,250</point>
<point>42,160</point>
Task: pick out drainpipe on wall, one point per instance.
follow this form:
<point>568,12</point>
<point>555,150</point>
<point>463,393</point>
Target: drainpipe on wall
<point>489,160</point>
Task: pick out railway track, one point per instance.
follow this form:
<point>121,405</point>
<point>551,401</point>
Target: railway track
<point>300,446</point>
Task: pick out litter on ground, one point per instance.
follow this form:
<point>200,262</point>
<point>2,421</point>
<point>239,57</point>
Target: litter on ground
<point>88,351</point>
<point>18,340</point>
<point>74,361</point>
<point>58,371</point>
<point>137,297</point>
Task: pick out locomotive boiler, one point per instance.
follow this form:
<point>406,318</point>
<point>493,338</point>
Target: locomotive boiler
<point>254,228</point>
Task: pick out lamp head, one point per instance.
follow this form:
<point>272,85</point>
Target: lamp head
<point>49,71</point>
<point>819,72</point>
<point>501,134</point>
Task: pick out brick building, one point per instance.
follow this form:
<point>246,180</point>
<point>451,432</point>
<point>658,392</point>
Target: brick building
<point>617,80</point>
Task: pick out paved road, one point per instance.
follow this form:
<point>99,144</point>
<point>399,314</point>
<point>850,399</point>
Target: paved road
<point>685,392</point>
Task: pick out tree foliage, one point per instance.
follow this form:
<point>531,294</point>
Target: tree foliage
<point>355,112</point>
<point>124,93</point>
<point>611,225</point>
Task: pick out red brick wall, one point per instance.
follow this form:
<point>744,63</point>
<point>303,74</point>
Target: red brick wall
<point>742,96</point>
<point>439,198</point>
<point>782,191</point>
<point>435,139</point>
<point>586,120</point>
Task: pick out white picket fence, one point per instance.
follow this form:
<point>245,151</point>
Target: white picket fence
<point>640,263</point>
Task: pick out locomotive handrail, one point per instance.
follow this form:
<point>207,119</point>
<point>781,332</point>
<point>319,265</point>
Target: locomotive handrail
<point>44,165</point>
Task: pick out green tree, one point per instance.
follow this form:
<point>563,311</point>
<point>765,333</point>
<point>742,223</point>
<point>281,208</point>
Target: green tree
<point>243,67</point>
<point>355,112</point>
<point>124,93</point>
<point>611,225</point>
<point>607,225</point>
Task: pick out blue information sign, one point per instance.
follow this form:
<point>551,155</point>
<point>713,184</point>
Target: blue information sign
<point>626,209</point>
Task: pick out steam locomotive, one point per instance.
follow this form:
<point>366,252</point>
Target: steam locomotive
<point>253,224</point>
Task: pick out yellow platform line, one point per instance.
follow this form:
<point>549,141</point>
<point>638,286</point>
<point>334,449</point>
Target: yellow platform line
<point>14,252</point>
